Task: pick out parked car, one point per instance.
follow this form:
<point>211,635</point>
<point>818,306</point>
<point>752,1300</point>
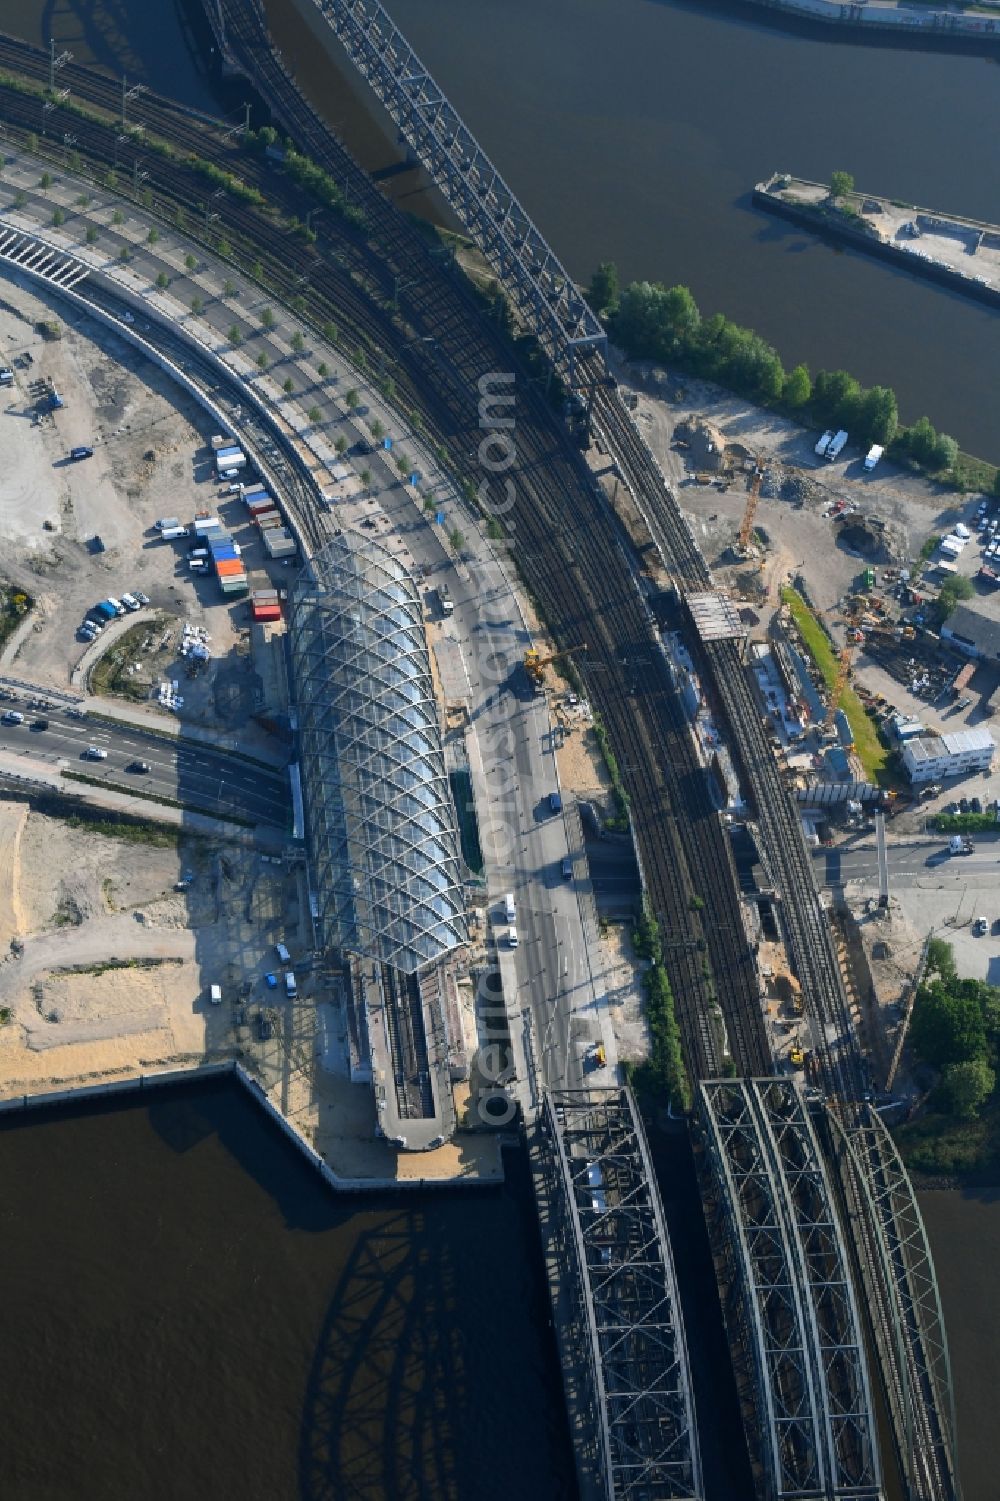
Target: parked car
<point>963,805</point>
<point>76,713</point>
<point>142,598</point>
<point>975,805</point>
<point>81,453</point>
<point>980,926</point>
<point>271,981</point>
<point>282,953</point>
<point>39,724</point>
<point>12,717</point>
<point>130,602</point>
<point>567,869</point>
<point>95,753</point>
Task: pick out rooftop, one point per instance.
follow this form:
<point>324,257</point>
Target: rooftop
<point>971,624</point>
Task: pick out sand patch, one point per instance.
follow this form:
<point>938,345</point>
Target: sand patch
<point>13,817</point>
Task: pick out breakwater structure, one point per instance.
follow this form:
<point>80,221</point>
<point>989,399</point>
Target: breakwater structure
<point>955,251</point>
<point>950,22</point>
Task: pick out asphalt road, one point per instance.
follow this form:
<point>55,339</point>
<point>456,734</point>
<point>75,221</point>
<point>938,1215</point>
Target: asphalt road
<point>201,778</point>
<point>921,862</point>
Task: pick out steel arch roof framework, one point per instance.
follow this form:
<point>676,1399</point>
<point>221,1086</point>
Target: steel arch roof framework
<point>811,1367</point>
<point>378,804</point>
<point>490,212</point>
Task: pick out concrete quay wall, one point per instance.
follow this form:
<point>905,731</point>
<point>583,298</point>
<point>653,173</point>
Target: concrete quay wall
<point>886,16</point>
<point>845,233</point>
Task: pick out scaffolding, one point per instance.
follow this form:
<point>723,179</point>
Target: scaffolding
<point>379,815</point>
<point>618,1255</point>
<point>783,1266</point>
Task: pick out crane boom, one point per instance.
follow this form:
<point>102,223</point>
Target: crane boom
<point>753,500</point>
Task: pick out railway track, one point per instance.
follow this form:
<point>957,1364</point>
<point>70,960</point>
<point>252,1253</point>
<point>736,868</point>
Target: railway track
<point>568,547</point>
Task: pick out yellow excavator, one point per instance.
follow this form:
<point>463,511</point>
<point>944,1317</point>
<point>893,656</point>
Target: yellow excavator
<point>535,664</point>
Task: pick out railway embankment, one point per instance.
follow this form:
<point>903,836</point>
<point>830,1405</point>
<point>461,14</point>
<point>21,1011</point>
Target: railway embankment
<point>950,249</point>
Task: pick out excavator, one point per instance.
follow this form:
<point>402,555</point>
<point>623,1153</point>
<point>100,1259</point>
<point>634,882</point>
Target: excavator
<point>535,664</point>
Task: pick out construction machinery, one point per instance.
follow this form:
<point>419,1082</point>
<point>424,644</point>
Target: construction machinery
<point>535,664</point>
<point>753,499</point>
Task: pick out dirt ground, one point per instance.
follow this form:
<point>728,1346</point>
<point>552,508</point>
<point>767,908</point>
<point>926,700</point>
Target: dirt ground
<point>797,488</point>
<point>150,460</point>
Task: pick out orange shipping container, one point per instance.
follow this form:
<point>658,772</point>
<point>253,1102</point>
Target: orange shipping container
<point>229,568</point>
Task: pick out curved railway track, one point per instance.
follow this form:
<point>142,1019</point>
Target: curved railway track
<point>567,545</point>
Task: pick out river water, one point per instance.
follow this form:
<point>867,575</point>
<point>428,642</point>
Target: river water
<point>188,1311</point>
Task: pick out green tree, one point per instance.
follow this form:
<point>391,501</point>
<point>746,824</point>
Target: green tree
<point>58,217</point>
<point>235,334</point>
<point>229,287</point>
<point>267,317</point>
<point>604,289</point>
<point>20,198</point>
<point>941,958</point>
<point>402,465</point>
<point>798,387</point>
<point>298,342</point>
<point>45,181</point>
<point>378,430</point>
<point>456,539</point>
<point>366,478</point>
<point>341,445</point>
<point>262,360</point>
<point>841,183</point>
<point>330,332</point>
<point>877,416</point>
<point>314,414</point>
<point>966,1086</point>
<point>836,397</point>
<point>180,217</point>
<point>197,306</point>
<point>153,236</point>
<point>945,452</point>
<point>123,255</point>
<point>224,248</point>
<point>162,281</point>
<point>257,271</point>
<point>950,595</point>
<point>190,262</point>
<point>322,370</point>
<point>288,385</point>
<point>118,217</point>
<point>91,235</point>
<point>947,1025</point>
<point>352,398</point>
<point>147,198</point>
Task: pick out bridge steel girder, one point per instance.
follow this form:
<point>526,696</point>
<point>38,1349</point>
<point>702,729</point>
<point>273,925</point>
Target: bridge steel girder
<point>624,1266</point>
<point>781,1255</point>
<point>539,285</point>
<point>903,1304</point>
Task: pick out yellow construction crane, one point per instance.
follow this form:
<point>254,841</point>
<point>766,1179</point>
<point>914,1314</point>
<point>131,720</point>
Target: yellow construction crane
<point>753,499</point>
<point>535,663</point>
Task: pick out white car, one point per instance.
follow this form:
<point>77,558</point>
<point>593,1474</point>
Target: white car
<point>128,318</point>
<point>130,602</point>
<point>12,717</point>
<point>95,753</point>
<point>142,598</point>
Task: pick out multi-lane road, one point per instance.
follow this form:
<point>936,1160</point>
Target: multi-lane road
<point>916,862</point>
<point>196,775</point>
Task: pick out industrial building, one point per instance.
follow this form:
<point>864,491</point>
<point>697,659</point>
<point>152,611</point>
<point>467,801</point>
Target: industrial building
<point>380,820</point>
<point>971,631</point>
<point>935,756</point>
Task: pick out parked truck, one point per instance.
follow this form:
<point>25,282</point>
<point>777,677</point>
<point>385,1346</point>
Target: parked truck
<point>960,844</point>
<point>835,448</point>
<point>824,443</point>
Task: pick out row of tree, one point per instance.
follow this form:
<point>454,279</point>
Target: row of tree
<point>652,322</point>
<point>955,1027</point>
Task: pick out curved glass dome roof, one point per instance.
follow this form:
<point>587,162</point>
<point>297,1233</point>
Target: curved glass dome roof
<point>378,806</point>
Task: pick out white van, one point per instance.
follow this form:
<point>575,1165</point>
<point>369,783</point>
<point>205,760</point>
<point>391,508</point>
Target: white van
<point>509,910</point>
<point>291,989</point>
<point>282,953</point>
<point>512,937</point>
<point>215,994</point>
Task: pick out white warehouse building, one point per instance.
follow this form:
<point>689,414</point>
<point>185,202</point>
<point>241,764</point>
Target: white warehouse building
<point>935,756</point>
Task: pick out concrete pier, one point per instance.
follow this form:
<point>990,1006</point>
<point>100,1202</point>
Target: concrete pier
<point>961,253</point>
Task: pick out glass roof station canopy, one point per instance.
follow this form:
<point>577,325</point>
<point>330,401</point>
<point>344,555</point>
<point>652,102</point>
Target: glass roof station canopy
<point>379,814</point>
